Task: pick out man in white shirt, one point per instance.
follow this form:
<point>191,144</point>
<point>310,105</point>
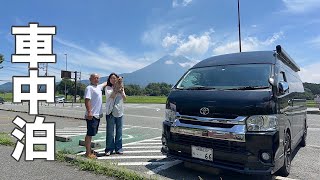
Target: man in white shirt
<point>93,103</point>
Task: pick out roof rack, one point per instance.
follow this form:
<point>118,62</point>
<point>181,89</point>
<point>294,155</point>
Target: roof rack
<point>285,58</point>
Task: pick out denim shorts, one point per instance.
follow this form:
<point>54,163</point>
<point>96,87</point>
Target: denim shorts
<point>92,126</point>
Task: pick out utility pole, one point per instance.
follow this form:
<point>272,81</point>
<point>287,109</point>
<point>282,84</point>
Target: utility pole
<point>239,25</point>
<point>65,82</point>
<point>75,86</point>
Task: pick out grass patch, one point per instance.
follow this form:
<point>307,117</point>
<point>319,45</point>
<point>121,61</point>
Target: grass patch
<point>147,99</point>
<point>6,96</point>
<point>143,99</point>
<point>312,103</point>
<point>6,140</point>
<point>105,168</point>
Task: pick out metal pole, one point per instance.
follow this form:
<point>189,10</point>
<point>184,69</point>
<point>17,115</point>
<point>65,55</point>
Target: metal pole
<point>239,25</point>
<point>65,83</point>
<point>66,61</point>
<point>80,89</point>
<point>75,87</point>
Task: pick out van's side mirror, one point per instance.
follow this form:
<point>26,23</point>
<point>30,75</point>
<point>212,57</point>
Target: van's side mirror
<point>271,81</point>
<point>283,87</point>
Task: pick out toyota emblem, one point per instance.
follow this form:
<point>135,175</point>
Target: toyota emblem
<point>204,111</point>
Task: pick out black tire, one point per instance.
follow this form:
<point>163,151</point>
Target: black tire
<point>285,170</point>
<point>303,141</point>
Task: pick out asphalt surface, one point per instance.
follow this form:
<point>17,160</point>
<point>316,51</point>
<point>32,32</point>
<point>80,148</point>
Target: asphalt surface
<point>39,169</point>
<point>144,155</point>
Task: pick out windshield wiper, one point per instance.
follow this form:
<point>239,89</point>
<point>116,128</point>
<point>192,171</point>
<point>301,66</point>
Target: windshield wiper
<point>199,88</point>
<point>249,88</point>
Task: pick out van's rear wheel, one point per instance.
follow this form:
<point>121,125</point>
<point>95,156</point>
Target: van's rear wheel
<point>303,142</point>
<point>285,170</point>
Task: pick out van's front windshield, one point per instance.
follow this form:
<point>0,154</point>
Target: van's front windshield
<point>232,77</point>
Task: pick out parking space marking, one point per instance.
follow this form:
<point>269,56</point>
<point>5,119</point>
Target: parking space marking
<point>146,143</point>
<point>143,151</point>
<point>284,178</point>
<point>140,163</point>
<point>132,157</point>
<point>143,147</point>
<point>146,147</point>
<point>314,146</point>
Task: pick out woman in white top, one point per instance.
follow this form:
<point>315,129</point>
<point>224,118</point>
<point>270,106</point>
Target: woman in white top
<point>114,116</point>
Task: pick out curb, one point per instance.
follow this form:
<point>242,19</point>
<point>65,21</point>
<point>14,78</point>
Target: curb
<point>313,112</point>
<point>70,157</point>
<point>11,110</point>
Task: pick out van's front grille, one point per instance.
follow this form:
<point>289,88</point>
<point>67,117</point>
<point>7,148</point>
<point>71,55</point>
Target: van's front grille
<point>208,123</point>
<point>211,115</point>
<point>224,145</point>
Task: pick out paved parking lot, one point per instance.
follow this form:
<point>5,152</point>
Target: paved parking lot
<point>142,132</point>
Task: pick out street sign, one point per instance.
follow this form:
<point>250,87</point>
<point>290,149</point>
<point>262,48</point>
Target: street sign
<point>66,74</point>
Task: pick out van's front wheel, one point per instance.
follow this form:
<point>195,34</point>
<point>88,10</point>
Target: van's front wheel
<point>285,170</point>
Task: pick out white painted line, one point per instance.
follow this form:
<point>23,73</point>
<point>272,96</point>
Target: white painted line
<point>140,163</point>
<point>143,127</point>
<point>163,167</point>
<point>71,132</point>
<point>313,129</point>
<point>75,131</point>
<point>153,117</point>
<point>138,152</point>
<point>313,146</point>
<point>71,135</point>
<point>146,143</point>
<point>75,128</point>
<point>139,141</point>
<point>143,147</point>
<point>132,157</point>
<point>102,150</point>
<point>153,140</point>
<point>284,178</point>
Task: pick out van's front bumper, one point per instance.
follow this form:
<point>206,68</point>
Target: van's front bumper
<point>238,156</point>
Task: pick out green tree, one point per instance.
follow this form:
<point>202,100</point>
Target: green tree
<point>70,87</point>
<point>133,90</point>
<point>158,89</point>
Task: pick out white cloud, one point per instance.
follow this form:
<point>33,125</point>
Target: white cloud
<point>310,73</point>
<point>103,60</point>
<point>247,44</point>
<point>180,3</point>
<point>169,62</point>
<point>315,42</point>
<point>154,35</point>
<point>300,6</point>
<point>169,40</point>
<point>195,45</point>
<point>188,64</point>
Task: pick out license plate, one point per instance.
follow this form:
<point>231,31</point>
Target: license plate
<point>202,153</point>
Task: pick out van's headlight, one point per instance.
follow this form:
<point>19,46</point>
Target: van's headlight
<point>170,115</point>
<point>262,123</point>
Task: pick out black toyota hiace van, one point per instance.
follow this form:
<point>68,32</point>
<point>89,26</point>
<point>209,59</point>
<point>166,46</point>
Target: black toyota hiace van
<point>242,112</point>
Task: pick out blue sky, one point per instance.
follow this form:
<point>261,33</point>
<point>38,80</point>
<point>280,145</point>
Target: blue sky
<point>125,35</point>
